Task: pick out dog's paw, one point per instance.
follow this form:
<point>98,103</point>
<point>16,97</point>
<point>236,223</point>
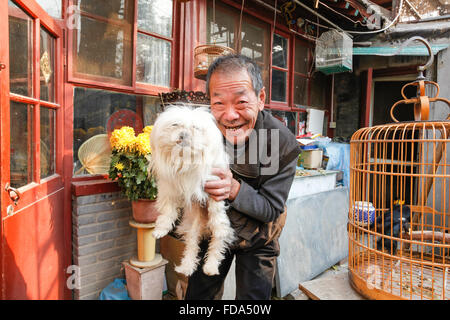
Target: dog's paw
<point>184,269</point>
<point>211,268</point>
<point>159,233</point>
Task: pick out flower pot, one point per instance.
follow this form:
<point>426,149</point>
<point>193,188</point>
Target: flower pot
<point>144,211</point>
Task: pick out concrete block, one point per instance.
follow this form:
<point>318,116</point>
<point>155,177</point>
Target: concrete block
<point>145,283</point>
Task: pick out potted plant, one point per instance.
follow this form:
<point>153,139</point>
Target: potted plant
<point>129,164</point>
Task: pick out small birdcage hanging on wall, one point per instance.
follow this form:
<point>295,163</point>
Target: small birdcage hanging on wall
<point>399,218</point>
<point>334,52</point>
<point>204,55</point>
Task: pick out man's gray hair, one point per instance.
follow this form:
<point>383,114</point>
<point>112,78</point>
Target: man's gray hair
<point>235,62</point>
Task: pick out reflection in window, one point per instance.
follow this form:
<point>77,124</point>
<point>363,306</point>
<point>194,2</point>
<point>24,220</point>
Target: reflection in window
<point>20,49</point>
<point>279,51</point>
<point>255,42</point>
<point>21,144</point>
<point>153,60</point>
<point>47,146</point>
<point>279,79</point>
<point>98,112</point>
<point>155,16</point>
<point>153,55</point>
<point>103,42</point>
<point>47,66</point>
<point>221,31</point>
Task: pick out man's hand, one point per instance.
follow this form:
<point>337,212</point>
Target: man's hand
<point>224,188</point>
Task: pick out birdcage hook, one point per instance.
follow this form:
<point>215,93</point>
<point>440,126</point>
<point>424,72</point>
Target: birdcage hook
<point>422,101</point>
<point>422,68</point>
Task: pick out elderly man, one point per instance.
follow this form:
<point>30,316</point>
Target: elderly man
<point>263,156</point>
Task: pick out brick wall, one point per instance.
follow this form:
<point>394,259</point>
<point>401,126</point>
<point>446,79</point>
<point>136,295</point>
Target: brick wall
<point>102,239</point>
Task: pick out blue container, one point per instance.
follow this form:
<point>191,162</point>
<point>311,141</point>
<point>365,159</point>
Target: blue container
<point>309,147</point>
<point>364,212</point>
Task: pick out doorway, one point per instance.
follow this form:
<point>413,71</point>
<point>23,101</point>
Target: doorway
<point>32,185</point>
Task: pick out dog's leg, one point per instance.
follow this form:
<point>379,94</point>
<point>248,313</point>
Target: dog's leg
<point>222,234</point>
<point>167,216</point>
<point>190,228</point>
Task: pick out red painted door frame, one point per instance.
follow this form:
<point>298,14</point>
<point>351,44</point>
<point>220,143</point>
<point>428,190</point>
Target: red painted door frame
<point>33,242</point>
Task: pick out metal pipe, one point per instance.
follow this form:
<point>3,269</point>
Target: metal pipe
<point>267,5</point>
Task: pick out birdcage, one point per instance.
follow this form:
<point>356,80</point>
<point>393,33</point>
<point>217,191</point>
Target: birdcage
<point>399,240</point>
<point>334,52</point>
<point>204,55</point>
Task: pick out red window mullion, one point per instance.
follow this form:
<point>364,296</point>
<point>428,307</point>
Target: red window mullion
<point>134,46</point>
<point>37,95</point>
<point>291,61</point>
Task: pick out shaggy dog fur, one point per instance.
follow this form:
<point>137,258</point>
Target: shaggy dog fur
<point>186,145</point>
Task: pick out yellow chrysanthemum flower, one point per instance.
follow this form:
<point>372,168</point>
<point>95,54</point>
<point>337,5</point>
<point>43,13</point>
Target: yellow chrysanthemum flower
<point>123,139</point>
<point>119,166</point>
<point>148,129</point>
<point>143,143</point>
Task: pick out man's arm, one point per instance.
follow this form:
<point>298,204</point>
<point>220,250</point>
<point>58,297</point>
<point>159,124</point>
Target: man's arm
<point>265,204</point>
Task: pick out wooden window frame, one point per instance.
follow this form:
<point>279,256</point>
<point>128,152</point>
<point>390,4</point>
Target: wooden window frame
<point>280,105</point>
<point>113,84</point>
<point>281,29</point>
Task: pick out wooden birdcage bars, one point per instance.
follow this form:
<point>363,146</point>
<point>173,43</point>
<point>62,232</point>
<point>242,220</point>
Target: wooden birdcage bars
<point>399,228</point>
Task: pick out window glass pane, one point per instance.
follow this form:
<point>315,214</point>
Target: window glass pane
<point>103,47</point>
<point>278,85</point>
<point>153,60</point>
<point>52,7</point>
<point>301,58</point>
<point>111,9</point>
<point>279,51</point>
<point>21,144</point>
<point>255,42</point>
<point>155,16</point>
<point>20,51</point>
<point>221,31</point>
<point>47,66</point>
<point>48,132</point>
<point>256,45</point>
<point>300,90</point>
<point>96,114</point>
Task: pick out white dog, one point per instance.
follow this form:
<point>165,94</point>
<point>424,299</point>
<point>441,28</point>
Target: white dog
<point>186,145</point>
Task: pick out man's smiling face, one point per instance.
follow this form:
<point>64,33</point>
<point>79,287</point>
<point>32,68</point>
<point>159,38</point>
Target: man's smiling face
<point>234,104</point>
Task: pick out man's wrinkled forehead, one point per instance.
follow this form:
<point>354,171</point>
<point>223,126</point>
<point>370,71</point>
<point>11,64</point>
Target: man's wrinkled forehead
<point>237,83</point>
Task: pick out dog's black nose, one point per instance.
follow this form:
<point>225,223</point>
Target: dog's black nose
<point>182,135</point>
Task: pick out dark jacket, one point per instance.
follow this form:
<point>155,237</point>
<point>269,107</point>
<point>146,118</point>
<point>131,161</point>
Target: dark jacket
<point>258,211</point>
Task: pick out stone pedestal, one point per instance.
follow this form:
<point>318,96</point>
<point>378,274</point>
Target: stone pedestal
<point>145,283</point>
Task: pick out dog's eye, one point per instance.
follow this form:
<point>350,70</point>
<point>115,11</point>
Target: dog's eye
<point>196,127</point>
<point>175,124</point>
